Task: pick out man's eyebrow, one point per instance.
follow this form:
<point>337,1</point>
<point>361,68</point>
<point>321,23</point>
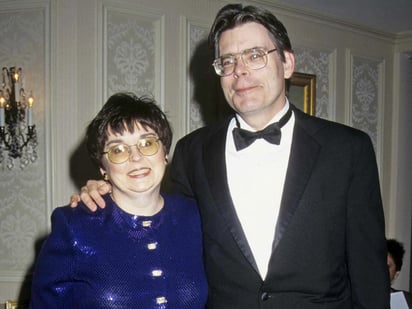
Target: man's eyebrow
<point>232,54</point>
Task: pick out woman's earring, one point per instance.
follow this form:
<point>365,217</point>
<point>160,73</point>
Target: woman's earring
<point>166,159</point>
<point>106,177</point>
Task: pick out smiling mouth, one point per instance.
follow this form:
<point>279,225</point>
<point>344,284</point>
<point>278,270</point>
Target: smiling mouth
<point>140,173</point>
<point>245,90</point>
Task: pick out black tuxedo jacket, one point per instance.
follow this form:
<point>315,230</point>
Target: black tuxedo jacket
<point>329,249</point>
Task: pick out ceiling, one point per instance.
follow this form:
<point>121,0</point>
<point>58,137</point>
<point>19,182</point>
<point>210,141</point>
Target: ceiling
<point>389,16</point>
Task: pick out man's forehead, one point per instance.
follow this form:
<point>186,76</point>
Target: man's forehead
<point>242,37</point>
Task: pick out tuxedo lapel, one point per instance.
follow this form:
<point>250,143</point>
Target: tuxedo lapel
<point>215,169</point>
<point>304,152</point>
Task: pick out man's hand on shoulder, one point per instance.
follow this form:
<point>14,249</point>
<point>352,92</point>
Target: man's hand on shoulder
<point>91,194</point>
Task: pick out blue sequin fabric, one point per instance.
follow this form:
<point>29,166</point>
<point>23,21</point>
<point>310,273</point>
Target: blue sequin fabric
<point>112,259</point>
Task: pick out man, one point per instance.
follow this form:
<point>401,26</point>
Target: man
<point>293,224</point>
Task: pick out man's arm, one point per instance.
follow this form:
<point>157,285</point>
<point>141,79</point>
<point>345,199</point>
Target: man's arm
<point>366,244</point>
<point>91,194</point>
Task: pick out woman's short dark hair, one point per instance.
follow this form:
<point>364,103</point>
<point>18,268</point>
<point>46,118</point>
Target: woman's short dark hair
<point>121,113</point>
<point>233,15</point>
<point>396,250</point>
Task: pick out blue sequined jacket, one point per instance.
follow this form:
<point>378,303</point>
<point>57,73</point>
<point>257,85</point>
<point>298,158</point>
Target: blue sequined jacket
<point>112,259</point>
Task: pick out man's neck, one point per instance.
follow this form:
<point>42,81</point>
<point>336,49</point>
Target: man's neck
<point>258,121</point>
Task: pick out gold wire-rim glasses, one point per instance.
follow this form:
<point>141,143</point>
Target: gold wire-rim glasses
<point>121,152</point>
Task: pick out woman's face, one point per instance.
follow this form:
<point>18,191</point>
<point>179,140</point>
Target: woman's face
<point>139,173</point>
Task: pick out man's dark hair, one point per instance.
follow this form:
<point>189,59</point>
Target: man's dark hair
<point>233,15</point>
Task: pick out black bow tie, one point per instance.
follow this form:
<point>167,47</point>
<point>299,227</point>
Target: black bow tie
<point>271,133</point>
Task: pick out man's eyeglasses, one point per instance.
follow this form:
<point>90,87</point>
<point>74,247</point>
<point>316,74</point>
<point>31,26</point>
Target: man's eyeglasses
<point>120,153</point>
<point>254,58</point>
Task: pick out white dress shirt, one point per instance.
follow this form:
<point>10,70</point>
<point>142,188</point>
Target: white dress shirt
<point>256,176</point>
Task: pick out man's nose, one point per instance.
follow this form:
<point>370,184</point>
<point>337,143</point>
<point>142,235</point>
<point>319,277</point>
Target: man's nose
<point>240,66</point>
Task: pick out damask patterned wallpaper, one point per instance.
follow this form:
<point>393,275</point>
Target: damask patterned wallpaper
<point>132,48</point>
<point>318,62</point>
<point>198,38</point>
<point>367,85</point>
<point>23,212</point>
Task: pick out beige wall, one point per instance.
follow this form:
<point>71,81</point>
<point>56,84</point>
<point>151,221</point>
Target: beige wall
<point>78,52</point>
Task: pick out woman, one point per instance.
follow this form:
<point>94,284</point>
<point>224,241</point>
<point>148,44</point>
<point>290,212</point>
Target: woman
<point>144,249</point>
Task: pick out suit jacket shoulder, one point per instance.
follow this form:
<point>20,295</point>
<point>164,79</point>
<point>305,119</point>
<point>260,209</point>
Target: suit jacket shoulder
<point>324,130</point>
<point>204,134</point>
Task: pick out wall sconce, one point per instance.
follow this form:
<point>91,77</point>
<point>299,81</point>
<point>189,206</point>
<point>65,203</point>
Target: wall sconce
<point>18,138</point>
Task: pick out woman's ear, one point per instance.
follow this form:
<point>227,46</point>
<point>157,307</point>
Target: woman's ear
<point>104,174</point>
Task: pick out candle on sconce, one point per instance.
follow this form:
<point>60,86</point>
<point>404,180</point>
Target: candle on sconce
<point>30,101</point>
<point>16,86</point>
<point>2,107</point>
<point>5,78</point>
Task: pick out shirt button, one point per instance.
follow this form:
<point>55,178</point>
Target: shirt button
<point>264,296</point>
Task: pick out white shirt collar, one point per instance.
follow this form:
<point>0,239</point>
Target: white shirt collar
<point>246,126</point>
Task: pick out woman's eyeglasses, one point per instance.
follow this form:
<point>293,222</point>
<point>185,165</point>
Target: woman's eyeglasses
<point>120,153</point>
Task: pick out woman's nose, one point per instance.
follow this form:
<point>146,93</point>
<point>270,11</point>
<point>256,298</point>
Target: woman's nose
<point>134,153</point>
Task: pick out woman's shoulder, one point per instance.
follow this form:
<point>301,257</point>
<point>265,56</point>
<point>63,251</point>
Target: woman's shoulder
<point>81,211</point>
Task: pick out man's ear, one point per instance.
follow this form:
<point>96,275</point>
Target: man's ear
<point>289,64</point>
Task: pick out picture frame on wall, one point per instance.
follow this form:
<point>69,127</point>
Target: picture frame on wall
<point>11,304</point>
<point>301,91</point>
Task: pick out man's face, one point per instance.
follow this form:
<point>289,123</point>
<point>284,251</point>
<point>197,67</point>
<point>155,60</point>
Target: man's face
<point>256,95</point>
